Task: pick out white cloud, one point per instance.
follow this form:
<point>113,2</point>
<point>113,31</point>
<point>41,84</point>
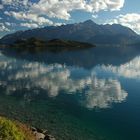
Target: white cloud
<point>28,16</point>
<point>131,20</point>
<point>95,16</point>
<point>98,5</point>
<point>8,23</point>
<point>29,25</point>
<point>58,24</point>
<point>7,2</point>
<point>61,8</point>
<point>34,20</point>
<point>56,8</point>
<point>1,6</point>
<point>3,28</point>
<point>15,2</point>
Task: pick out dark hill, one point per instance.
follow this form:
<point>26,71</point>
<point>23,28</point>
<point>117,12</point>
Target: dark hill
<point>35,44</point>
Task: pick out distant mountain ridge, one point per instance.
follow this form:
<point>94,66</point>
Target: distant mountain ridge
<point>87,31</point>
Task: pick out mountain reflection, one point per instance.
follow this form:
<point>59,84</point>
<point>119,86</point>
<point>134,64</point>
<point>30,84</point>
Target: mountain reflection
<point>21,75</point>
<point>87,58</point>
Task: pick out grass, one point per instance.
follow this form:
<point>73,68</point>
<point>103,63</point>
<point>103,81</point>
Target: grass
<point>12,130</point>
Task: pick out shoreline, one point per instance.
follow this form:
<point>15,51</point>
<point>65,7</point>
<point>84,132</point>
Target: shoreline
<point>11,127</point>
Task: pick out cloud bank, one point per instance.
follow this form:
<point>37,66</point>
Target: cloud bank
<point>3,28</point>
<point>42,12</point>
<point>62,8</point>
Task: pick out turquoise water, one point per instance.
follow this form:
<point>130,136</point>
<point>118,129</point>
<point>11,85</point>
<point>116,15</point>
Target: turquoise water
<point>90,94</point>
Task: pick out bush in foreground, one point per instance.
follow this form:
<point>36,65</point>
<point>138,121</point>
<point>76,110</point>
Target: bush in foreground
<point>10,130</point>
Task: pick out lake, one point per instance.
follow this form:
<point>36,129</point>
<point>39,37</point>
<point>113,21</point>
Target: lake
<point>88,94</point>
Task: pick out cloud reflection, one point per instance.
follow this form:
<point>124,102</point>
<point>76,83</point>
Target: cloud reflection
<point>127,70</point>
<point>19,74</point>
<point>103,92</point>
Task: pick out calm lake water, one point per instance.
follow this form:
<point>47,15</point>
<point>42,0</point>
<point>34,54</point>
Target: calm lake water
<point>88,94</point>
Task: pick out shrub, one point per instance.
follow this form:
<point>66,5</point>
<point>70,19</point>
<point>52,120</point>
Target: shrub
<point>10,130</point>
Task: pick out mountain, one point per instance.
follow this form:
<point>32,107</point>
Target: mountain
<point>87,31</point>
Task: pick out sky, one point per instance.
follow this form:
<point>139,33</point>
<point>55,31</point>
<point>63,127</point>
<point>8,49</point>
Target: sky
<point>27,14</point>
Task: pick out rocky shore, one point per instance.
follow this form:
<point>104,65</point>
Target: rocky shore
<point>41,134</point>
<point>15,130</point>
